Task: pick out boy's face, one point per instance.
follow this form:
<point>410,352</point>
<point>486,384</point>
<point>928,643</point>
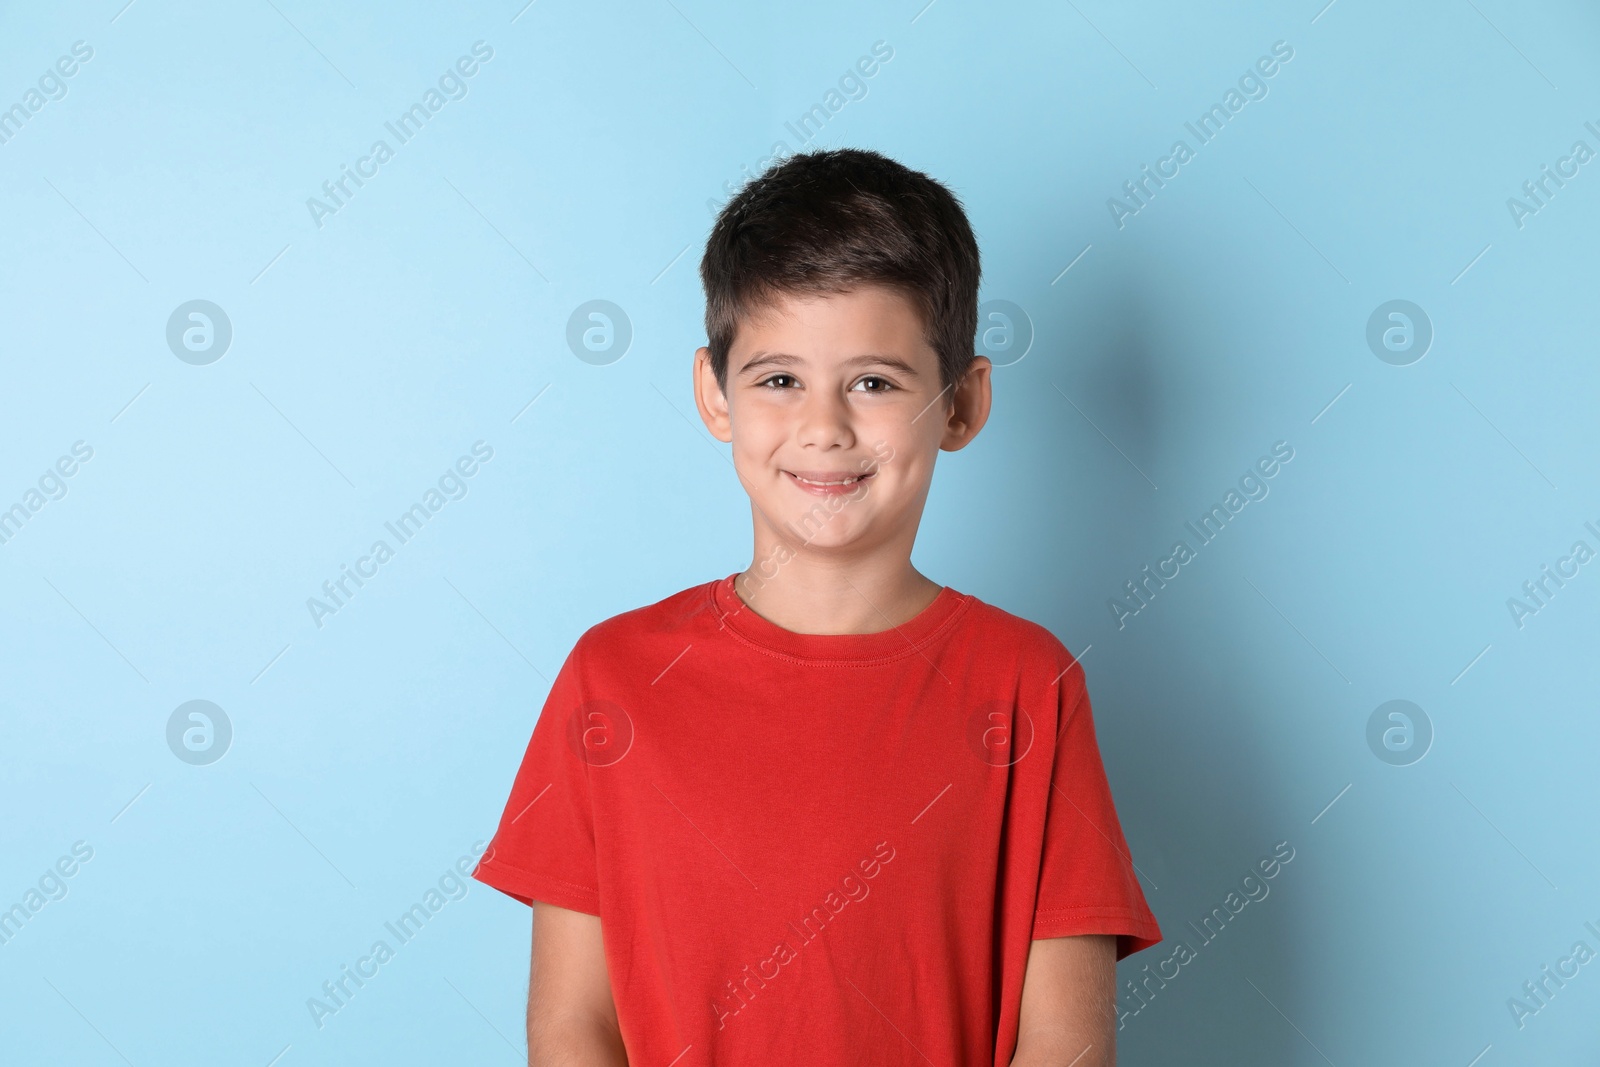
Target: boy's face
<point>825,388</point>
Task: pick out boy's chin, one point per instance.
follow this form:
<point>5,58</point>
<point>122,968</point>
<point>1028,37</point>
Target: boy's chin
<point>826,541</point>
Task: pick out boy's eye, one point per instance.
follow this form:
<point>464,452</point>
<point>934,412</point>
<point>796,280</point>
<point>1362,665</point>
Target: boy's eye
<point>883,384</point>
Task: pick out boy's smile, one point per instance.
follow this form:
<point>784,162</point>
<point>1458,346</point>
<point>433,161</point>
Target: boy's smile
<point>836,412</point>
<point>828,483</point>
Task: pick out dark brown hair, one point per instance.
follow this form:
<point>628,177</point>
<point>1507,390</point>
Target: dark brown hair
<point>830,221</point>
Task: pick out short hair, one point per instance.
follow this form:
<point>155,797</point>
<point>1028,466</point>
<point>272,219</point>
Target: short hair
<point>830,221</point>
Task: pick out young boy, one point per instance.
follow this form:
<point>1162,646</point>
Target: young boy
<point>824,811</point>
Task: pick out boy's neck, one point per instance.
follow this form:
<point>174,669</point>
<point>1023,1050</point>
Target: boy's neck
<point>810,598</point>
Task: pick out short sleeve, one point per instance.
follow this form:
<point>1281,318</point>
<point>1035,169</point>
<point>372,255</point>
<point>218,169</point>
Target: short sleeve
<point>544,847</point>
<point>1087,880</point>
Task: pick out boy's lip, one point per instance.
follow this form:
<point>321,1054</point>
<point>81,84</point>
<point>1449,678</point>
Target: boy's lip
<point>828,482</point>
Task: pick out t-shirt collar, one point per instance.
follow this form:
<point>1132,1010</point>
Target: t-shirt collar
<point>735,615</point>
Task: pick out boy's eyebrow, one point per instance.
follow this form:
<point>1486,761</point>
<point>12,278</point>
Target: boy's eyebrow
<point>762,360</point>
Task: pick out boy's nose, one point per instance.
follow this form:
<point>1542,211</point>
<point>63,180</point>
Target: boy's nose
<point>825,421</point>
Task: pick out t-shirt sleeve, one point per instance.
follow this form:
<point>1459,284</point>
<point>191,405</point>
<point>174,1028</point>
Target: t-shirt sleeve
<point>1087,880</point>
<point>544,847</point>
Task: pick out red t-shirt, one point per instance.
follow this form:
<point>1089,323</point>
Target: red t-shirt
<point>819,848</point>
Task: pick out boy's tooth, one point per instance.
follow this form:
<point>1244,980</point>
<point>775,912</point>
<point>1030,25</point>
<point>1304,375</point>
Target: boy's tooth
<point>844,481</point>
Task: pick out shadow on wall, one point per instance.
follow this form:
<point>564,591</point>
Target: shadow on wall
<point>1174,702</point>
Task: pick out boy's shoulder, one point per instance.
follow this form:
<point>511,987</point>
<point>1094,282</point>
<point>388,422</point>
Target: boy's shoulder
<point>1010,628</point>
<point>665,618</point>
<point>1028,645</point>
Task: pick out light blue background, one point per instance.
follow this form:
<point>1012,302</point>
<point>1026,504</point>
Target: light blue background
<point>368,354</point>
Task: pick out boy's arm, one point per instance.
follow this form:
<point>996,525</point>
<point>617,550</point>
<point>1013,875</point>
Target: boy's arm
<point>572,1018</point>
<point>1069,996</point>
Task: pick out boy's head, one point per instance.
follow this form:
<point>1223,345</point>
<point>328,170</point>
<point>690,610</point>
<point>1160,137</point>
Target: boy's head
<point>841,310</point>
<point>831,221</point>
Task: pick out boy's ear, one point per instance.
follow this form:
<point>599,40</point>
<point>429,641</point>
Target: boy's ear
<point>968,408</point>
<point>708,397</point>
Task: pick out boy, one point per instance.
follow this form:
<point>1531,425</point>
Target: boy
<point>824,811</point>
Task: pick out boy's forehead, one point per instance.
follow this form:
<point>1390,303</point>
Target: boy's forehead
<point>806,326</point>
